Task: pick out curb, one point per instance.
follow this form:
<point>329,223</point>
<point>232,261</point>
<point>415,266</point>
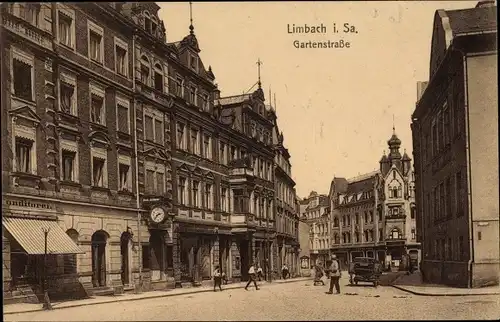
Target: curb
<point>195,291</point>
<point>434,294</point>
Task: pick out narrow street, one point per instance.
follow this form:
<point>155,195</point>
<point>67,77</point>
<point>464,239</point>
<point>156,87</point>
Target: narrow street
<point>292,301</point>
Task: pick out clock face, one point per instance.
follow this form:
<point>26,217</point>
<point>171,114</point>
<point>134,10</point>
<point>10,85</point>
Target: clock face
<point>157,214</point>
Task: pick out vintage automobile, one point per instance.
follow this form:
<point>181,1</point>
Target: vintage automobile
<point>365,269</point>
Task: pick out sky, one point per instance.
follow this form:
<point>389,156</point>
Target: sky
<point>335,106</point>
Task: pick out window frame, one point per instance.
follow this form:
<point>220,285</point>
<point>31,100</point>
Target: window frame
<point>195,95</point>
<point>195,196</point>
<point>100,153</point>
<point>25,58</point>
<point>156,116</point>
<point>99,91</point>
<point>182,194</point>
<point>179,84</point>
<point>127,161</point>
<point>123,45</point>
<point>145,62</point>
<point>69,79</point>
<point>93,27</point>
<point>182,145</point>
<point>70,13</point>
<point>124,102</point>
<point>207,153</point>
<point>195,145</point>
<point>70,146</point>
<point>158,69</point>
<point>156,168</point>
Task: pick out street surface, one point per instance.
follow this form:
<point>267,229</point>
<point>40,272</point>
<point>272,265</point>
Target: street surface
<point>290,301</point>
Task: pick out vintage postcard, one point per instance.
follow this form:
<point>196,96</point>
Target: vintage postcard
<point>234,161</point>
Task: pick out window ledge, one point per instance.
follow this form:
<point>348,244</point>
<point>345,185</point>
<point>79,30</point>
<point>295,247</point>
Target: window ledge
<point>98,188</point>
<point>24,100</point>
<point>126,193</point>
<point>68,115</point>
<point>98,126</point>
<point>123,135</point>
<point>68,47</point>
<point>25,175</point>
<point>70,183</point>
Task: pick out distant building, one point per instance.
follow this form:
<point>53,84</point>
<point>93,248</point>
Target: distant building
<point>455,145</point>
<point>314,210</point>
<point>373,215</point>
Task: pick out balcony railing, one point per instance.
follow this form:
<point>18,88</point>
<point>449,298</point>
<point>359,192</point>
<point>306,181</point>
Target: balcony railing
<point>26,30</point>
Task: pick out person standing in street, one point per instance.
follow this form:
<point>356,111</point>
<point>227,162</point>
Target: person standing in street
<point>217,278</point>
<point>251,277</point>
<point>260,275</point>
<point>334,272</point>
<point>284,271</point>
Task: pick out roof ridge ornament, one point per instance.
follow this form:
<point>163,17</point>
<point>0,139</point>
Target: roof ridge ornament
<point>191,27</point>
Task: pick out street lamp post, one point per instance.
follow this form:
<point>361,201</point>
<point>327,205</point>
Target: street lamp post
<point>46,300</point>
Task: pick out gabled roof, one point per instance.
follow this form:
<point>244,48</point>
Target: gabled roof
<point>472,19</point>
<point>364,182</point>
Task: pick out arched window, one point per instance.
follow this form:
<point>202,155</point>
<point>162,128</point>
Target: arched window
<point>145,70</point>
<point>356,237</point>
<point>335,222</point>
<point>158,77</point>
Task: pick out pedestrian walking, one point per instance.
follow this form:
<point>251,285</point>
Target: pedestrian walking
<point>335,273</point>
<point>217,279</point>
<point>251,277</point>
<point>260,275</point>
<point>284,271</point>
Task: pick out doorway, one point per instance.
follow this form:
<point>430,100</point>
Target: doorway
<point>244,258</point>
<point>99,239</point>
<point>125,246</point>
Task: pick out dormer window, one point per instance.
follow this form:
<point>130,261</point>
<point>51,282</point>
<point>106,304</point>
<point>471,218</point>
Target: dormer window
<point>193,62</point>
<point>147,22</point>
<point>154,27</point>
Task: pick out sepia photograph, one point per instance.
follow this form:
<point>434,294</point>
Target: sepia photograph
<point>250,160</point>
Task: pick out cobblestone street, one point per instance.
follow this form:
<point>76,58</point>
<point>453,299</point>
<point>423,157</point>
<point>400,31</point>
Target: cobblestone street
<point>292,301</point>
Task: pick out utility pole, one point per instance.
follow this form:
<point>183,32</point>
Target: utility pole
<point>46,299</point>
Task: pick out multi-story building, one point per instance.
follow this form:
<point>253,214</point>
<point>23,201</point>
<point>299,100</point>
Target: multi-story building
<point>373,214</point>
<point>69,123</point>
<point>287,218</point>
<point>314,210</point>
<point>92,94</point>
<point>455,144</point>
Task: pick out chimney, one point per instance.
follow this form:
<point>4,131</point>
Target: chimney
<point>485,3</point>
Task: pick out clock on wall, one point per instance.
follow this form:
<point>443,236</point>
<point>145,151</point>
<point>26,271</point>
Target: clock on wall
<point>157,214</point>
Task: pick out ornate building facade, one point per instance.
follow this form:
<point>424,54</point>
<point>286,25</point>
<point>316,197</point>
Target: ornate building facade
<point>455,144</point>
<point>373,215</point>
<point>287,217</point>
<point>117,140</point>
<point>314,210</point>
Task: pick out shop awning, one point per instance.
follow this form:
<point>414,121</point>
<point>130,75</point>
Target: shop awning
<point>29,233</point>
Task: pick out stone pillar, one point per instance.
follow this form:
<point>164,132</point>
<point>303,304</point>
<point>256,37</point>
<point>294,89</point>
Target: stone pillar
<point>7,276</point>
<point>176,254</point>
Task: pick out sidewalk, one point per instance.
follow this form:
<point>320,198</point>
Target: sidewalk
<point>413,284</point>
<point>28,307</point>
